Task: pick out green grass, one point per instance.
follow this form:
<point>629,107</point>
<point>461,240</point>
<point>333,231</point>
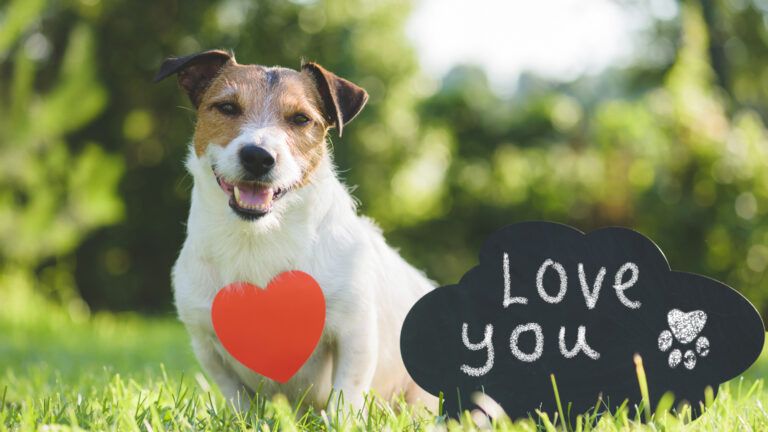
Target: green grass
<point>127,372</point>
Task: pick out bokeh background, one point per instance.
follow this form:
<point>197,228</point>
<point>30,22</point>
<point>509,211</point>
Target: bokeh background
<point>664,133</point>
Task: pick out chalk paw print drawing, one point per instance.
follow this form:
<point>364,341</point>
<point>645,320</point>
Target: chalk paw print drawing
<point>684,327</point>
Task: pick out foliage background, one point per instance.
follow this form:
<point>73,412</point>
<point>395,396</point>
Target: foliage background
<point>93,194</point>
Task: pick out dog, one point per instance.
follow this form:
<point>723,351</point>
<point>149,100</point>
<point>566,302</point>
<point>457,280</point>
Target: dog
<point>266,199</point>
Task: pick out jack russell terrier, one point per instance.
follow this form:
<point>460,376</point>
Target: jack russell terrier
<point>266,199</point>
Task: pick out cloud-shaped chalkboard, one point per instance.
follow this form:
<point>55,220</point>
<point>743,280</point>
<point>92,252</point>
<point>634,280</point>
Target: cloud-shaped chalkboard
<point>548,299</point>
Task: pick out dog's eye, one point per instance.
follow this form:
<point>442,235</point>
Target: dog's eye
<point>228,108</point>
<point>299,119</point>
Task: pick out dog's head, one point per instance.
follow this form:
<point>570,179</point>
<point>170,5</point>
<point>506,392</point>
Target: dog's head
<point>263,129</point>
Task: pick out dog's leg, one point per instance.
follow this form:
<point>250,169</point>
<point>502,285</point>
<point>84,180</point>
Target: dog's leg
<point>229,384</point>
<point>355,360</point>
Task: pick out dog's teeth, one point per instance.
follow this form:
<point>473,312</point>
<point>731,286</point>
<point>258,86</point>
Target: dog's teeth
<point>238,200</point>
<point>259,207</point>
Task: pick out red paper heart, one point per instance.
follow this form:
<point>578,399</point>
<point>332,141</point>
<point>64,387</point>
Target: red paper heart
<point>274,330</point>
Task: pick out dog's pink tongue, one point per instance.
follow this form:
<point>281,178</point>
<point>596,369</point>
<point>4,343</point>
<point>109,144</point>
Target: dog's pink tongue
<point>254,196</point>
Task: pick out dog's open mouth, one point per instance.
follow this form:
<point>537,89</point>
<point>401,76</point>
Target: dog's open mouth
<point>250,200</point>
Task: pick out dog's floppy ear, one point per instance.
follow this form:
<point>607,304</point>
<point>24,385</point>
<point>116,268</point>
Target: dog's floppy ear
<point>195,71</point>
<point>342,99</point>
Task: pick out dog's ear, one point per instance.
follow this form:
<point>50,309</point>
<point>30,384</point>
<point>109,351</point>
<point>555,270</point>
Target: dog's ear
<point>342,99</point>
<point>195,72</point>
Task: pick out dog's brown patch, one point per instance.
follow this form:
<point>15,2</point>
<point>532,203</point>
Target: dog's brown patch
<point>264,97</point>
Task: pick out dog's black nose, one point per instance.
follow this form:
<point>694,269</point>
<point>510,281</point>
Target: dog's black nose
<point>256,160</point>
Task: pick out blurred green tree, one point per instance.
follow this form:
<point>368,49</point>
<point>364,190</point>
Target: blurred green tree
<point>54,190</point>
<point>673,145</point>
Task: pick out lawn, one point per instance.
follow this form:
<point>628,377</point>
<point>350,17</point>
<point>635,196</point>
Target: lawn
<point>68,370</point>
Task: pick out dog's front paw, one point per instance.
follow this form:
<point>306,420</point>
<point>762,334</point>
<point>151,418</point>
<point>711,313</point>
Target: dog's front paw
<point>238,399</point>
<point>242,402</point>
<point>342,403</point>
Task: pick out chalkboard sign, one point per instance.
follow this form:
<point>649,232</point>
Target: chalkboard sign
<point>548,299</point>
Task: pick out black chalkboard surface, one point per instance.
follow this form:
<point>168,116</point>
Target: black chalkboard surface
<point>548,299</point>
